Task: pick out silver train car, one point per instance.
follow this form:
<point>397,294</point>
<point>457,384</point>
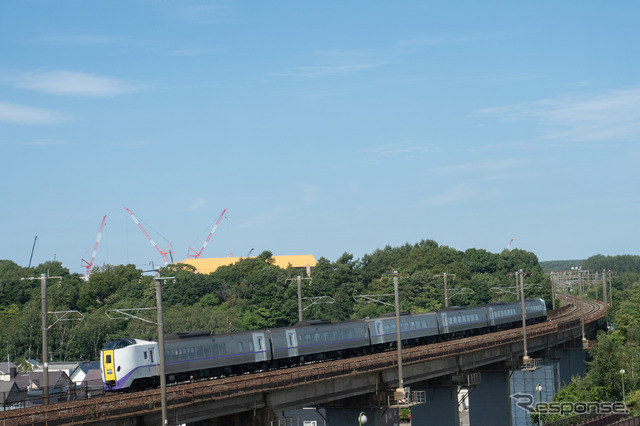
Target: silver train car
<point>134,364</point>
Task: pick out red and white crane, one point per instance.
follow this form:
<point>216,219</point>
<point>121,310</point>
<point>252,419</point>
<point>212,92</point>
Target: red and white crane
<point>89,265</point>
<point>196,254</point>
<point>164,252</point>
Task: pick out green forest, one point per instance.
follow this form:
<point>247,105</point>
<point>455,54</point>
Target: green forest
<point>254,293</point>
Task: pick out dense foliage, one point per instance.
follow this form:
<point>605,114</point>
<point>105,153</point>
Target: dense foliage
<point>251,294</point>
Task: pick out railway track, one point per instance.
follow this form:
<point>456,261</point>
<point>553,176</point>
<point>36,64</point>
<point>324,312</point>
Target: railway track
<point>122,405</point>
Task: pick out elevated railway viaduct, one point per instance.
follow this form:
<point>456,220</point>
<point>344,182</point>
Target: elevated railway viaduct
<point>356,382</point>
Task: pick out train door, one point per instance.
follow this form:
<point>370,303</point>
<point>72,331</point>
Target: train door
<point>292,342</point>
<point>492,320</point>
<point>445,322</point>
<point>109,367</point>
<point>378,332</point>
<point>260,347</point>
<point>152,360</point>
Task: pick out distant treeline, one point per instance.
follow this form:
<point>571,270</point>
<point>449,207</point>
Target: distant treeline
<point>619,264</point>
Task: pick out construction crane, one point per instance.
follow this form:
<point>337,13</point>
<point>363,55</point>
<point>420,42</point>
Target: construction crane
<point>196,254</point>
<point>89,265</point>
<point>164,252</point>
<point>509,245</point>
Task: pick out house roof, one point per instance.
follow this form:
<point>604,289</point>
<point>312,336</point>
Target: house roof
<point>6,366</point>
<point>206,266</point>
<point>25,380</point>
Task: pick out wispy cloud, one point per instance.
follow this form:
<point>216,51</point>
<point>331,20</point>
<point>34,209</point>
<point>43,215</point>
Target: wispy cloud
<point>192,51</point>
<point>197,204</point>
<point>79,39</point>
<point>460,194</point>
<point>482,166</point>
<point>46,142</point>
<point>614,114</point>
<point>265,218</point>
<point>308,192</point>
<point>20,114</point>
<point>71,83</point>
<point>398,148</point>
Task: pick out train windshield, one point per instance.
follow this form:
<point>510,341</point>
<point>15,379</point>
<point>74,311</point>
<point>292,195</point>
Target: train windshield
<point>119,343</point>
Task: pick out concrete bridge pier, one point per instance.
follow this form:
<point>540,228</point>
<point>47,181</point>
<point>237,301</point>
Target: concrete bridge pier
<point>346,415</point>
<point>441,408</point>
<point>489,403</point>
<point>573,362</point>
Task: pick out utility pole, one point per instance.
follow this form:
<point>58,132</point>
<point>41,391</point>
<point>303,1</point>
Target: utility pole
<point>45,341</point>
<point>604,287</point>
<point>45,336</point>
<point>525,357</point>
<point>299,282</point>
<point>299,298</point>
<point>446,290</point>
<point>581,308</point>
<point>160,319</point>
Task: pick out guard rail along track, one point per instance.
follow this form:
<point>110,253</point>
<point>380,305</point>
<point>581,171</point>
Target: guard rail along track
<point>144,402</point>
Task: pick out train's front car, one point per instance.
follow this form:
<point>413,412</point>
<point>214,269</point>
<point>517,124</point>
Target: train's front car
<point>129,363</point>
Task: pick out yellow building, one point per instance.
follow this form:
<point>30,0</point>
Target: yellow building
<point>205,266</point>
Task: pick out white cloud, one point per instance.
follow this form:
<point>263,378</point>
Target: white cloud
<point>13,113</point>
<point>79,39</point>
<point>614,114</point>
<point>71,83</point>
<point>308,193</point>
<point>265,218</point>
<point>490,166</point>
<point>397,148</point>
<point>46,142</point>
<point>197,204</point>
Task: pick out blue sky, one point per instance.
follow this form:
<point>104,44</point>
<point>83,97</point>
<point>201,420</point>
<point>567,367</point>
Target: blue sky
<point>323,127</point>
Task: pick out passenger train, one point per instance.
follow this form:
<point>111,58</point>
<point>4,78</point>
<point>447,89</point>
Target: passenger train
<point>134,364</point>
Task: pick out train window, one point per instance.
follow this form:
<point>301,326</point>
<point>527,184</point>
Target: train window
<point>192,352</point>
<point>108,359</point>
<point>334,335</point>
<point>175,355</point>
<point>144,354</point>
<point>343,334</point>
<point>300,338</point>
<point>214,350</point>
<point>325,336</point>
<point>316,337</point>
<point>412,325</point>
<point>379,328</point>
<point>183,353</point>
<point>250,346</point>
<point>350,333</point>
<point>387,328</point>
<point>167,354</point>
<point>260,344</point>
<point>240,347</point>
<point>307,339</point>
<point>423,323</point>
<point>292,342</point>
<point>151,355</point>
<point>223,348</point>
<point>199,351</point>
<point>207,350</point>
